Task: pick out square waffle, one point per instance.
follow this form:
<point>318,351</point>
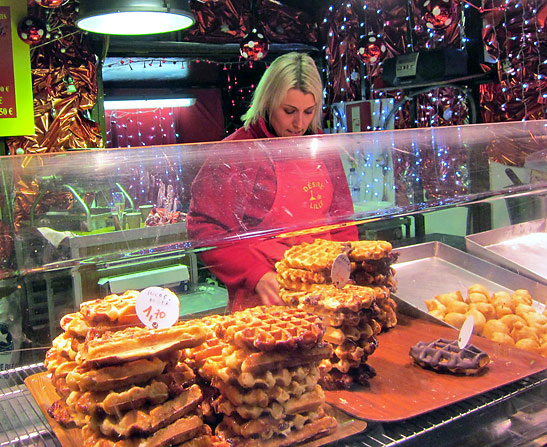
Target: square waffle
<point>271,328</point>
<point>137,343</point>
<point>329,297</point>
<point>112,308</point>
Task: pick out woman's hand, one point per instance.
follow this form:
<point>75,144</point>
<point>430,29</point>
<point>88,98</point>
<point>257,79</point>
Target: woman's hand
<point>268,290</point>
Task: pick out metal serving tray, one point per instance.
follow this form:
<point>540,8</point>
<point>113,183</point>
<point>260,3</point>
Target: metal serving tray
<point>426,270</point>
<point>521,248</point>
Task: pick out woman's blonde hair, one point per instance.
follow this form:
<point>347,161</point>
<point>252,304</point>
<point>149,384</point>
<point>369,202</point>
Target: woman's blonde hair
<point>291,70</point>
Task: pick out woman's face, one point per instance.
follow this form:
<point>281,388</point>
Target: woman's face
<point>294,114</point>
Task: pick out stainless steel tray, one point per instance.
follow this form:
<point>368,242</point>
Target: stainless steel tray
<point>521,248</point>
<point>426,270</point>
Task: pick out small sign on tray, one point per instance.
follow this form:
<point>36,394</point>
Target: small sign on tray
<point>157,307</point>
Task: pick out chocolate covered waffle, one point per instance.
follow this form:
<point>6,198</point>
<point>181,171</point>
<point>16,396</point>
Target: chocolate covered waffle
<point>262,364</point>
<point>446,356</point>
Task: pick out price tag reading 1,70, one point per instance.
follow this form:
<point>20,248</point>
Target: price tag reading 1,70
<point>340,271</point>
<point>157,308</point>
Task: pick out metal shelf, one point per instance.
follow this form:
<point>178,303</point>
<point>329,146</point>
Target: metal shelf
<point>22,424</point>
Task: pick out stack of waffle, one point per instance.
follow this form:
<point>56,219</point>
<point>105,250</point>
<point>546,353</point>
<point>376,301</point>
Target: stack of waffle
<point>355,314</point>
<point>131,388</point>
<point>113,313</point>
<point>262,364</point>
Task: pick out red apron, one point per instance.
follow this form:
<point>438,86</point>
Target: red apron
<point>304,194</point>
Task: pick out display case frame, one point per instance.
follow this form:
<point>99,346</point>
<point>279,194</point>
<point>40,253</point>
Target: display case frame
<point>420,172</point>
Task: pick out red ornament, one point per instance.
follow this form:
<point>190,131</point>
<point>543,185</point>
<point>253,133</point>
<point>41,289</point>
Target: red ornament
<point>254,46</point>
<point>50,3</point>
<point>371,49</point>
<point>32,30</point>
<point>438,14</point>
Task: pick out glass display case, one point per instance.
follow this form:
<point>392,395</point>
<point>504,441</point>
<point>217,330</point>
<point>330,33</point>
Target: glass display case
<point>80,225</point>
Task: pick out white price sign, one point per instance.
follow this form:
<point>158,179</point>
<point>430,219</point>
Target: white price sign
<point>157,308</point>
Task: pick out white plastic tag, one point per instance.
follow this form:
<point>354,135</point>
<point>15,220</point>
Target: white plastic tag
<point>157,307</point>
<point>465,331</point>
<point>340,271</point>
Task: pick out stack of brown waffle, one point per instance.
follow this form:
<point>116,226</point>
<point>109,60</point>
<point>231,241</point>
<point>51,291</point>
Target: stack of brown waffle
<point>131,388</point>
<point>355,314</point>
<point>262,364</point>
<point>112,313</point>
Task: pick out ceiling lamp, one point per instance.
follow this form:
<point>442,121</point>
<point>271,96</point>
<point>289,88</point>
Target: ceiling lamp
<point>134,17</point>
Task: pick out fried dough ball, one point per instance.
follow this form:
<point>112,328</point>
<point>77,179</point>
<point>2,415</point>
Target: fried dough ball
<point>437,314</point>
<point>512,321</point>
<point>435,304</point>
<point>503,299</point>
<point>477,298</point>
<point>543,349</point>
<point>486,309</point>
<point>446,298</point>
<point>478,288</point>
<point>536,320</point>
<point>519,333</point>
<point>502,310</point>
<point>480,320</point>
<point>528,344</point>
<point>457,306</point>
<point>455,319</point>
<point>523,309</point>
<point>522,296</point>
<point>503,338</point>
<point>494,326</point>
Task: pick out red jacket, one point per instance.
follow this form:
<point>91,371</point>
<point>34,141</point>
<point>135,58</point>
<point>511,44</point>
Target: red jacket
<point>231,195</point>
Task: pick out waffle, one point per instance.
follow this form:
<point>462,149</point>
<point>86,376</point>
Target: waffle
<point>367,250</point>
<point>54,359</point>
<point>330,298</point>
<point>445,356</point>
<point>308,401</point>
<point>151,419</point>
<point>112,308</point>
<point>66,345</point>
<point>117,376</point>
<point>137,343</point>
<point>117,402</point>
<point>314,257</point>
<point>272,328</point>
<point>234,362</point>
<point>233,427</point>
<point>276,386</point>
<point>177,377</point>
<point>180,431</point>
<point>305,432</point>
<point>61,413</point>
<point>74,324</point>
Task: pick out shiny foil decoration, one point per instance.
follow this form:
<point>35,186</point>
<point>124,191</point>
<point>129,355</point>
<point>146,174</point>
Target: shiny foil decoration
<point>371,49</point>
<point>517,38</point>
<point>254,45</point>
<point>32,30</point>
<point>50,3</point>
<point>64,83</point>
<point>6,245</point>
<point>228,21</point>
<point>437,24</point>
<point>341,31</point>
<point>438,13</point>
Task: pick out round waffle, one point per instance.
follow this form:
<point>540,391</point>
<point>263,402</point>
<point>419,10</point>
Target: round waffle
<point>268,328</point>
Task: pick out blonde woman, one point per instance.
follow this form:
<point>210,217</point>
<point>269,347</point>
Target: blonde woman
<point>240,193</point>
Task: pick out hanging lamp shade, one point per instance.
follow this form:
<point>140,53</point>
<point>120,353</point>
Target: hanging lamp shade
<point>134,17</point>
